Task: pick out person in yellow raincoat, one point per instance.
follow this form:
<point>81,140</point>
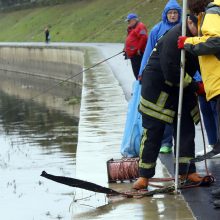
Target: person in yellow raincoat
<point>207,47</point>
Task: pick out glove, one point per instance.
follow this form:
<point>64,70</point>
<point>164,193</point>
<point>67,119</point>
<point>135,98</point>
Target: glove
<point>180,42</point>
<point>197,87</point>
<point>200,90</point>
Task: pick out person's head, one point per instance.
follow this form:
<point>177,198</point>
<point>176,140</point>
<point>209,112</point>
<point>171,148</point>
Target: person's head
<point>173,16</point>
<point>197,6</point>
<point>132,19</point>
<point>172,12</point>
<point>192,23</point>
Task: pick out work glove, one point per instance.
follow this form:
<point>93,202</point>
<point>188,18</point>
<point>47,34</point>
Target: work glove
<point>198,88</point>
<point>181,41</point>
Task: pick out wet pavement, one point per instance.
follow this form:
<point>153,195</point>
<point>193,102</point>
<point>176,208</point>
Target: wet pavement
<point>199,200</point>
<point>102,118</point>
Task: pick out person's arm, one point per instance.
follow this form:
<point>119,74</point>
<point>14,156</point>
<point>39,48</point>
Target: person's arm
<point>151,42</point>
<point>202,45</point>
<point>209,43</point>
<point>142,37</point>
<point>170,59</point>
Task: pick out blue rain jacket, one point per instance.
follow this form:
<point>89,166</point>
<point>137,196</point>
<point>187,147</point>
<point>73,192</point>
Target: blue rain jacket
<point>159,30</point>
<point>197,77</point>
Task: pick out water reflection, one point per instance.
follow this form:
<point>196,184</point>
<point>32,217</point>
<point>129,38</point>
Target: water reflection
<point>35,136</point>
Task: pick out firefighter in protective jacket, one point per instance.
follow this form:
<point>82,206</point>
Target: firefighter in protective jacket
<point>159,104</point>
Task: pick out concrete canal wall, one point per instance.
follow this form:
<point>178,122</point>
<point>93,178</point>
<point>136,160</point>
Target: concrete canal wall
<point>53,62</point>
<point>39,72</point>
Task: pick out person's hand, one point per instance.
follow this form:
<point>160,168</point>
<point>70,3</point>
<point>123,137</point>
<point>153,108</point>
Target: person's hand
<point>181,41</point>
<point>197,87</point>
<point>139,53</point>
<point>200,90</point>
<point>140,79</point>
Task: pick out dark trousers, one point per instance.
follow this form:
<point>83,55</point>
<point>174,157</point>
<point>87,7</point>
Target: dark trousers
<point>167,136</point>
<point>210,118</point>
<point>151,143</point>
<point>136,64</point>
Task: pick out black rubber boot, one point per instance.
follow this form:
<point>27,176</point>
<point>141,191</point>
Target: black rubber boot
<point>216,193</point>
<point>217,203</point>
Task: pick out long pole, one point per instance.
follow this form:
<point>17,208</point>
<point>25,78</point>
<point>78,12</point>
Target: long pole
<point>182,65</point>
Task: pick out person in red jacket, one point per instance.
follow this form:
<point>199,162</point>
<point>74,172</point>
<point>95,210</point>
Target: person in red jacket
<point>135,42</point>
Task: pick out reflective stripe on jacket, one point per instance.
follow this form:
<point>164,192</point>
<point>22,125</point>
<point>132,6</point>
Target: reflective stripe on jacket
<point>161,77</point>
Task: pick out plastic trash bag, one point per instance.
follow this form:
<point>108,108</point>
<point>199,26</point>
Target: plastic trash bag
<point>130,146</point>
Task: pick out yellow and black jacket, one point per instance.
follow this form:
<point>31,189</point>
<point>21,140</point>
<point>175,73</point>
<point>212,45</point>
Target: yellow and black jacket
<point>207,47</point>
<point>161,77</point>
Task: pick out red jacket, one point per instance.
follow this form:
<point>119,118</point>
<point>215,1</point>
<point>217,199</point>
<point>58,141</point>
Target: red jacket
<point>136,40</point>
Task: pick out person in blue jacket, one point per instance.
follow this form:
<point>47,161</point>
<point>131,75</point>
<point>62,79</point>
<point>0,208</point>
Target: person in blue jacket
<point>170,17</point>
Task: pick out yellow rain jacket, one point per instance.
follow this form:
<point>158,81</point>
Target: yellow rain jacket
<point>207,47</point>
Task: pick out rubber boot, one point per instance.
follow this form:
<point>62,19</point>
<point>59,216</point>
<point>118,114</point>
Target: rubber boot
<point>193,177</point>
<point>217,203</point>
<point>141,183</point>
<point>216,193</point>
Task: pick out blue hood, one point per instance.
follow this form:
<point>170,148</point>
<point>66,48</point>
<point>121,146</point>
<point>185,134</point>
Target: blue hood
<point>172,4</point>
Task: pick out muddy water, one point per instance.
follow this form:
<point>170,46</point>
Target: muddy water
<point>35,136</point>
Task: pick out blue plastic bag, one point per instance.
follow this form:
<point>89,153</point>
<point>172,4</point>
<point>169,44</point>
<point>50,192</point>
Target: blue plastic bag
<point>130,146</point>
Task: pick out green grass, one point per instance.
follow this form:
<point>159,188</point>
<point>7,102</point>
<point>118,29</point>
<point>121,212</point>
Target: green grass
<point>81,21</point>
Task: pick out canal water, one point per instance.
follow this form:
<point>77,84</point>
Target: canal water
<point>38,131</point>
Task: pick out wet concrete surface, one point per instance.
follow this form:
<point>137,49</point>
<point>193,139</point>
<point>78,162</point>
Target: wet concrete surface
<point>199,199</point>
<point>121,68</point>
<point>46,62</point>
<point>102,118</point>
